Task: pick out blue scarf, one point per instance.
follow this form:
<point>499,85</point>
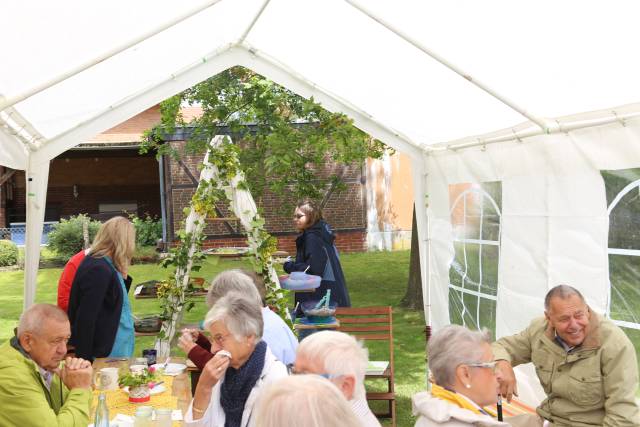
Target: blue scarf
<point>238,384</point>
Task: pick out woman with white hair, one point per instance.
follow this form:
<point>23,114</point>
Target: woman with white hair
<point>233,379</point>
<point>464,372</point>
<point>304,400</point>
<point>276,333</point>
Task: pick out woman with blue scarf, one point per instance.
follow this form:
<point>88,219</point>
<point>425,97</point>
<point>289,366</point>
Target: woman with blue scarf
<point>230,384</point>
<point>99,309</point>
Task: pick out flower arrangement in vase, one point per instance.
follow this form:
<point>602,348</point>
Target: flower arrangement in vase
<point>140,383</point>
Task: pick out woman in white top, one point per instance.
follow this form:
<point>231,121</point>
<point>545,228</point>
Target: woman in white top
<point>233,379</point>
<point>461,363</point>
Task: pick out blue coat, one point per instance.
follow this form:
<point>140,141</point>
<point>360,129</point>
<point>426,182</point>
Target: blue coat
<point>315,249</point>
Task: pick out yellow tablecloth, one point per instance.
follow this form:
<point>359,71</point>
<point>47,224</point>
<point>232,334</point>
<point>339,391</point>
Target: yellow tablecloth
<point>118,401</point>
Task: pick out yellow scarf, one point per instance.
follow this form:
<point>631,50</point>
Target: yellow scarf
<point>456,399</point>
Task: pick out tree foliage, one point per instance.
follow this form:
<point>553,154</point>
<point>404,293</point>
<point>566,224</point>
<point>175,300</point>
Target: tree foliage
<point>289,145</point>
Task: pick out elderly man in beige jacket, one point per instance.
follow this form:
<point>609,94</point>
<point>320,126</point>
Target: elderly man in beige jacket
<point>586,364</point>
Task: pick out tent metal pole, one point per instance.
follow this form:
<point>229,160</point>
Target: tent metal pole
<point>517,135</point>
<point>46,150</point>
<point>8,102</point>
<point>511,104</point>
<point>355,113</point>
<point>253,22</point>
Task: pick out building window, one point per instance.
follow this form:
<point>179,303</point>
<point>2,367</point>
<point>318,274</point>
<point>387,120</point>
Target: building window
<point>473,273</point>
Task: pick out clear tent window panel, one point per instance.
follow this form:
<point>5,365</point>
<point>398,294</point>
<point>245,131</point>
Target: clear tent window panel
<point>623,206</point>
<point>475,210</point>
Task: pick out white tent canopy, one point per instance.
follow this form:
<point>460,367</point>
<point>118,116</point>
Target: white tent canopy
<point>431,79</point>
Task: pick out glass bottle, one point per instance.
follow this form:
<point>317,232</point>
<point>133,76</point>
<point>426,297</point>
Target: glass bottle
<point>102,412</point>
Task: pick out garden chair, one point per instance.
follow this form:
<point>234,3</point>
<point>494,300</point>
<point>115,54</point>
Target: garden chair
<point>373,324</point>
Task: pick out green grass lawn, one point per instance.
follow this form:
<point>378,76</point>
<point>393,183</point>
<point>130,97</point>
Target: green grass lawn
<point>375,278</point>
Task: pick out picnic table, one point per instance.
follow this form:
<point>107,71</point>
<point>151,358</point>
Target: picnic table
<point>176,396</point>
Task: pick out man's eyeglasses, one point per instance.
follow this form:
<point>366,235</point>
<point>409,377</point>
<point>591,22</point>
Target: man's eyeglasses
<point>298,216</point>
<point>491,365</point>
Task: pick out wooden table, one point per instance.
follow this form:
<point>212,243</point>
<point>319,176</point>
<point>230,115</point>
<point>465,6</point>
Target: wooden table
<point>304,326</point>
<point>177,395</point>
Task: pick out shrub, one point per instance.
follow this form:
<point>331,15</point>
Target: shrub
<point>8,253</point>
<point>66,237</point>
<point>148,230</point>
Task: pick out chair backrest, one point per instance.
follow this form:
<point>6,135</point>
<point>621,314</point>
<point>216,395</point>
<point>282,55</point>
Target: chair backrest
<point>368,323</point>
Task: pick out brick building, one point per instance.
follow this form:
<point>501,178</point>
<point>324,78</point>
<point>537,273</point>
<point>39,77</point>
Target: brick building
<point>107,175</point>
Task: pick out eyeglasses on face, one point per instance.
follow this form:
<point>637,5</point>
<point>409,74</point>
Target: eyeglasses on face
<point>293,371</point>
<point>298,216</point>
<point>219,339</point>
<point>490,365</point>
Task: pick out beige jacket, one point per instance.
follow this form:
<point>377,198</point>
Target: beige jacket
<point>432,411</point>
<point>592,385</point>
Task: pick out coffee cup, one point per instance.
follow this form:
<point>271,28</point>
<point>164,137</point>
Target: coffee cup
<point>107,379</point>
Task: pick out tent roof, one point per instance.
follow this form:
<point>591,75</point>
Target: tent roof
<point>547,58</point>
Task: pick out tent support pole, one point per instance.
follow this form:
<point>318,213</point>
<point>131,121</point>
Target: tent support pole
<point>37,177</point>
<point>418,167</point>
<point>286,76</point>
<point>511,104</point>
<point>253,22</point>
<point>529,132</point>
<point>8,102</point>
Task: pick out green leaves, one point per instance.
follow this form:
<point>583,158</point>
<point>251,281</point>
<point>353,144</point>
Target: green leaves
<point>286,144</point>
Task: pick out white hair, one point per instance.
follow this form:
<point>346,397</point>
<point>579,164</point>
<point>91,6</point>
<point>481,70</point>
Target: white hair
<point>35,317</point>
<point>339,354</point>
<point>304,400</point>
<point>241,316</point>
<point>451,347</point>
<point>232,281</point>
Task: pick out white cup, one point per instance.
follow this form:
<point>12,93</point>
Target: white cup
<point>108,379</point>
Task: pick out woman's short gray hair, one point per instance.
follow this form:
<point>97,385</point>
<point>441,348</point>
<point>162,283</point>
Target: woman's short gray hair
<point>241,316</point>
<point>232,281</point>
<point>451,347</point>
<point>304,400</point>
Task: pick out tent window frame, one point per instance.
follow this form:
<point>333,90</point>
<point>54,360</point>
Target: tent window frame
<point>619,251</point>
<point>480,242</point>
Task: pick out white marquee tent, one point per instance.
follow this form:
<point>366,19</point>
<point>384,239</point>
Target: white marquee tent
<point>522,120</point>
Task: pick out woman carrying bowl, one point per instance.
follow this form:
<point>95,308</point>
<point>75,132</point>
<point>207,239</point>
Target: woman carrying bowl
<point>317,255</point>
<point>232,381</point>
<point>465,381</point>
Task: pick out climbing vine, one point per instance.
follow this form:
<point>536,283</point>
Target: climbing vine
<point>221,178</point>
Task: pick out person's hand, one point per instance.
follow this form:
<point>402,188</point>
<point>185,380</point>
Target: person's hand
<point>213,371</point>
<point>185,342</point>
<point>191,331</point>
<point>507,380</point>
<point>76,373</point>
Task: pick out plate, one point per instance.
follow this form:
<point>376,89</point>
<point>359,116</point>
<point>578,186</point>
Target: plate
<point>172,369</point>
<point>156,390</point>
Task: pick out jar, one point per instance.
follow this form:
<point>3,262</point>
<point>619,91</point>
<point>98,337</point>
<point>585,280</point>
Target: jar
<point>143,417</point>
<point>150,355</point>
<point>163,417</point>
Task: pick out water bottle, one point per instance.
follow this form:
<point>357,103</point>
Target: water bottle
<point>102,412</point>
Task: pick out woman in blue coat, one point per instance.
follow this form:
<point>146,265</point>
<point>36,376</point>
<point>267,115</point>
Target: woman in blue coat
<point>317,254</point>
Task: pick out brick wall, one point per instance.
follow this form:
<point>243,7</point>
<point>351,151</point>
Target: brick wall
<point>345,211</point>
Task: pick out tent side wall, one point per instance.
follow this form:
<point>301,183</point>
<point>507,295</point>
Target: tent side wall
<point>550,226</point>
